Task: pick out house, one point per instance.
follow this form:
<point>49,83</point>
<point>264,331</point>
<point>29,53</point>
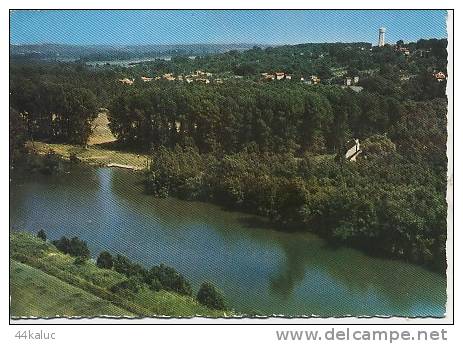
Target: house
<point>146,79</point>
<point>440,76</point>
<point>200,73</point>
<point>168,76</point>
<point>354,150</point>
<point>126,81</point>
<point>312,80</point>
<point>288,77</point>
<point>403,50</point>
<point>348,81</point>
<point>279,75</point>
<point>203,80</point>
<point>267,76</point>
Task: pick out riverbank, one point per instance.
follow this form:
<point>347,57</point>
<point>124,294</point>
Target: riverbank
<point>97,155</point>
<point>239,185</point>
<point>86,288</point>
<point>260,270</point>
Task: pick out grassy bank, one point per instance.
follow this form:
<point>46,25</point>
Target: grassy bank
<point>37,294</point>
<point>35,257</point>
<point>101,154</point>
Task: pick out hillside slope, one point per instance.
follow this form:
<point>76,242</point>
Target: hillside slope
<point>92,282</point>
<point>37,294</point>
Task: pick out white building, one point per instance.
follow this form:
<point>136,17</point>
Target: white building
<point>354,151</point>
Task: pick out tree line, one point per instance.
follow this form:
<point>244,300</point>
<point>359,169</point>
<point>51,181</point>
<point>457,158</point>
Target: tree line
<point>161,277</point>
<point>275,148</point>
<point>232,116</point>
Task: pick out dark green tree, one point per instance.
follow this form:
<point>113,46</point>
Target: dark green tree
<point>105,260</point>
<point>209,296</point>
<point>42,235</point>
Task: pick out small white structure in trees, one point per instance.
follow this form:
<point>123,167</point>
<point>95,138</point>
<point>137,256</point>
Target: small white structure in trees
<point>354,151</point>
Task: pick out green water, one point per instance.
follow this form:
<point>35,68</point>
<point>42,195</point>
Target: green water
<point>257,268</point>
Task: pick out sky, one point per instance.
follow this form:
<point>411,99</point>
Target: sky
<point>132,27</point>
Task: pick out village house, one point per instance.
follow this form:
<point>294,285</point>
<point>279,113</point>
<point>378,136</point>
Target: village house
<point>403,50</point>
<point>348,81</point>
<point>276,76</point>
<point>279,75</point>
<point>200,73</point>
<point>146,79</point>
<point>312,80</point>
<point>168,76</point>
<point>354,150</point>
<point>440,76</point>
<point>203,80</point>
<point>126,81</point>
<point>267,76</point>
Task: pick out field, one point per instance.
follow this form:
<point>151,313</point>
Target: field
<point>101,154</point>
<point>37,294</point>
<point>56,279</point>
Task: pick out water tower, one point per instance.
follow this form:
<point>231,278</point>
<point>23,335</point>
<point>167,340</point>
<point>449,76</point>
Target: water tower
<point>382,33</point>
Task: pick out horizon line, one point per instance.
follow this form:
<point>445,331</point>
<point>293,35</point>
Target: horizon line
<point>208,43</point>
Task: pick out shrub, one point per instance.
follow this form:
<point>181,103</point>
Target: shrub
<point>80,260</point>
<point>170,279</point>
<point>50,162</point>
<point>41,234</point>
<point>79,248</point>
<point>129,285</point>
<point>155,285</point>
<point>209,296</point>
<point>63,244</point>
<point>104,260</point>
<point>73,158</point>
<point>74,247</point>
<point>124,266</point>
<point>378,145</point>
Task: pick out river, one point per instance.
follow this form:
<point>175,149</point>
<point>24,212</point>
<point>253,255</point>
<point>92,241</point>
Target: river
<point>258,268</point>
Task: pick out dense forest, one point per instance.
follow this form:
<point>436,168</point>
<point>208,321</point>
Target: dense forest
<point>274,148</point>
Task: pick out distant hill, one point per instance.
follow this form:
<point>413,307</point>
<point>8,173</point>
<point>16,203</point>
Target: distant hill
<point>108,52</point>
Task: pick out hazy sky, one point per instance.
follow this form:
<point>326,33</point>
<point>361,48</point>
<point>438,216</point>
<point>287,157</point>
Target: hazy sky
<point>222,26</point>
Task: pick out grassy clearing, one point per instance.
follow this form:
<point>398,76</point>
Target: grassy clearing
<point>33,252</point>
<point>37,294</point>
<point>101,154</point>
<point>100,130</point>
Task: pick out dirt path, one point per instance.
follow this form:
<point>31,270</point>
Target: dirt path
<point>100,131</point>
